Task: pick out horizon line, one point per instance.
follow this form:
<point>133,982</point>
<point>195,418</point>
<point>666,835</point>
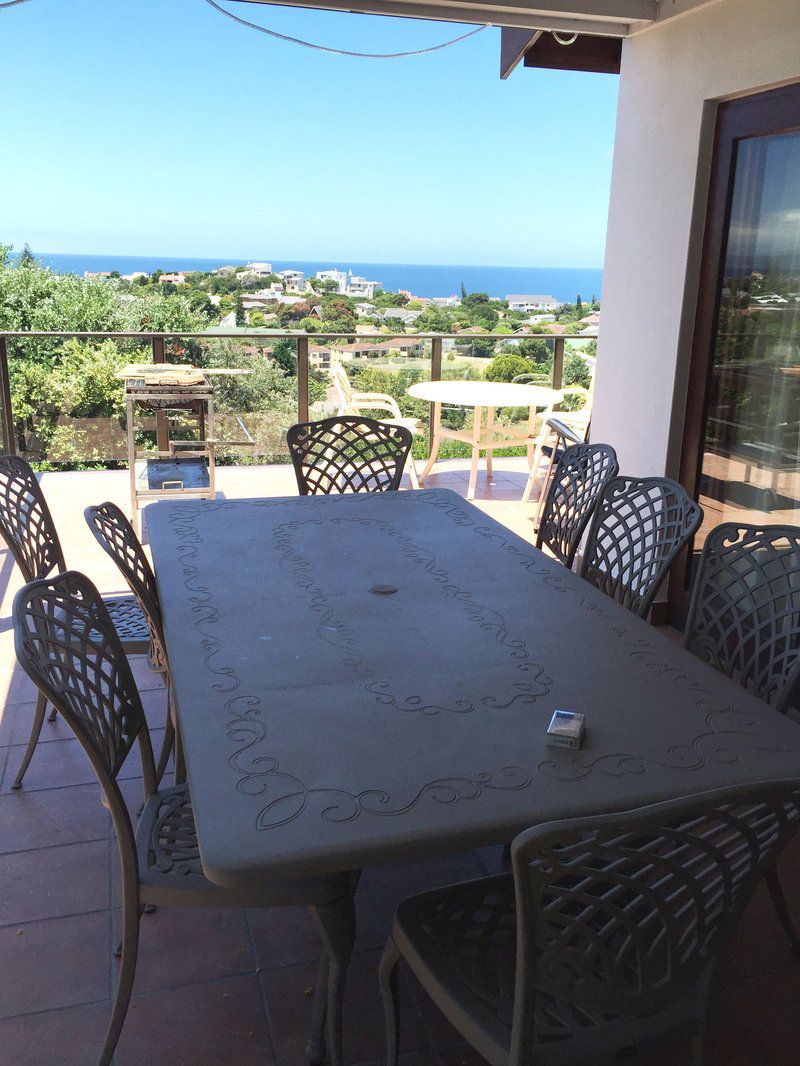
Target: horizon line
<point>321,259</point>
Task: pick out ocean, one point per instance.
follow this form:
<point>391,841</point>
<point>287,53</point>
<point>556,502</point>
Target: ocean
<point>420,279</point>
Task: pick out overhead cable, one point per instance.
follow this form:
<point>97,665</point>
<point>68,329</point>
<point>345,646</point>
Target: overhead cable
<point>341,51</point>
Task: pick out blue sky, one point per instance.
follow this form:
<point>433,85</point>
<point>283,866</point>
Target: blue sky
<point>153,127</point>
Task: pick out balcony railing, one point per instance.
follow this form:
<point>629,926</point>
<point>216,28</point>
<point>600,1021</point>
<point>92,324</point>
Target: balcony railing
<point>41,434</point>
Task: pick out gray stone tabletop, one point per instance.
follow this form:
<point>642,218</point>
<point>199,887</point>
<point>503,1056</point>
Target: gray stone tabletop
<point>330,724</point>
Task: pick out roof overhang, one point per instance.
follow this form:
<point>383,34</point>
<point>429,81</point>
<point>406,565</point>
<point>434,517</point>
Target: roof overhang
<point>615,18</point>
<point>605,18</point>
<point>527,25</point>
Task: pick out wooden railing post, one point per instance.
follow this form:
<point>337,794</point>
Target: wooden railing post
<point>302,379</point>
<point>436,375</point>
<point>9,435</point>
<point>558,365</point>
<point>162,423</point>
<point>558,362</point>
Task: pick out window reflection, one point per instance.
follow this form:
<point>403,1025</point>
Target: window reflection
<point>751,461</point>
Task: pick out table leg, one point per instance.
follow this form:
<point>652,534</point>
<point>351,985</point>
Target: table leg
<point>531,435</point>
<point>437,440</point>
<point>476,452</point>
<point>337,925</point>
<point>489,435</point>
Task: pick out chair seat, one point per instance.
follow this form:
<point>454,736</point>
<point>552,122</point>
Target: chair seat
<point>461,943</point>
<point>129,622</point>
<point>170,870</point>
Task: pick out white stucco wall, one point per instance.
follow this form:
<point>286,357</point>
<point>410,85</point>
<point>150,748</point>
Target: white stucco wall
<point>671,77</point>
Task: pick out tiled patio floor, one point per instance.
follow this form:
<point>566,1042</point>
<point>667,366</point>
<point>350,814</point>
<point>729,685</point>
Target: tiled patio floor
<point>218,987</point>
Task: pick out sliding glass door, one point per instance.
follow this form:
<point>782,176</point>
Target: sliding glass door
<point>742,445</point>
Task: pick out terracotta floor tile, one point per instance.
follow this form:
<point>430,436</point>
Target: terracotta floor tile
<point>63,763</point>
<point>52,882</point>
<point>289,1000</point>
<point>287,936</point>
<point>55,963</point>
<point>184,946</point>
<point>201,1025</point>
<point>49,817</point>
<point>15,726</point>
<point>760,947</point>
<point>762,1014</point>
<point>72,1036</point>
<point>144,677</point>
<point>15,685</point>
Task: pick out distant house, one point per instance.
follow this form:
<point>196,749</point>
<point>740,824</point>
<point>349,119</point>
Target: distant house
<point>173,279</point>
<point>446,301</point>
<point>536,320</point>
<point>293,279</point>
<point>228,321</point>
<point>89,274</point>
<point>339,277</point>
<point>133,276</point>
<point>528,303</point>
<point>262,298</point>
<point>406,316</point>
<point>225,271</point>
<point>289,300</point>
<point>259,270</point>
<point>363,309</point>
<point>358,286</point>
<point>319,355</point>
<point>376,350</point>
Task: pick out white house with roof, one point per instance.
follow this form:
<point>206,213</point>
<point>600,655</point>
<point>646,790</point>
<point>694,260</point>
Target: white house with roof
<point>358,286</point>
<point>527,303</point>
<point>446,301</point>
<point>259,270</point>
<point>404,314</point>
<point>339,277</point>
<point>293,279</point>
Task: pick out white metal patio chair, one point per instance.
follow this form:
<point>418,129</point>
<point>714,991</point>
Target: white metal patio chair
<point>352,402</point>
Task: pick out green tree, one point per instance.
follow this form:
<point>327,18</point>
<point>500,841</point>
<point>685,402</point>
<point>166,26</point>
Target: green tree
<point>433,320</point>
<point>579,305</point>
<point>576,371</point>
<point>26,257</point>
<point>283,356</point>
<point>463,291</point>
<point>241,319</point>
<point>507,367</point>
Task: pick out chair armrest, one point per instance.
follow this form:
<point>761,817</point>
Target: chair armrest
<point>562,430</point>
<point>376,401</point>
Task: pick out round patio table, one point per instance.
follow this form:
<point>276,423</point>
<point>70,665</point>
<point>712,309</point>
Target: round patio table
<point>485,397</point>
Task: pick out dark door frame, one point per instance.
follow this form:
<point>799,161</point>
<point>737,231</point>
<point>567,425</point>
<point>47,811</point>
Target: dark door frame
<point>761,115</point>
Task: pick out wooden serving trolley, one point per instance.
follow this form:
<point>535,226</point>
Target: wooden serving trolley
<point>181,467</point>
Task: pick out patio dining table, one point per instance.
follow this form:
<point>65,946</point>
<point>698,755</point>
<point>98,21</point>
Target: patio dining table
<point>366,678</point>
<point>485,397</point>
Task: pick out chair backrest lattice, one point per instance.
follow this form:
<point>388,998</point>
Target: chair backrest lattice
<point>639,527</point>
<point>116,536</point>
<point>26,523</point>
<point>348,454</point>
<point>744,617</point>
<point>579,478</point>
<point>67,644</point>
<point>624,916</point>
